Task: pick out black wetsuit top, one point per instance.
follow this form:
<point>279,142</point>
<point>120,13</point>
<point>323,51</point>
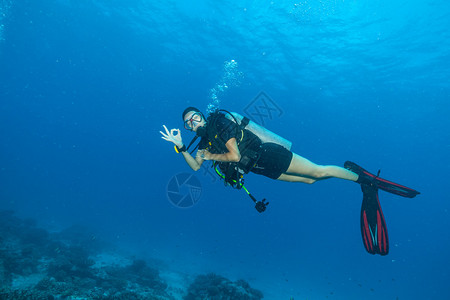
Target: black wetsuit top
<point>226,130</point>
<point>273,159</point>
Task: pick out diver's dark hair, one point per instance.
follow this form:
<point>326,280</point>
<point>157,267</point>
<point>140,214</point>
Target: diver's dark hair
<point>190,108</point>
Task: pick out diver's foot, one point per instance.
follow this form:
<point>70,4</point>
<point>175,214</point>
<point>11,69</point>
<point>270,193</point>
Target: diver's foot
<point>367,178</point>
<point>364,177</point>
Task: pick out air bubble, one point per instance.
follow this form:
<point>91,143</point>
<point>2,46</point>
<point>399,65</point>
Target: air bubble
<point>231,77</point>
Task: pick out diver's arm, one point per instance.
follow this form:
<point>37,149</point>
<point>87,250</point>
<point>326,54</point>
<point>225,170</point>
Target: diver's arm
<point>233,154</point>
<point>194,163</point>
<point>174,136</point>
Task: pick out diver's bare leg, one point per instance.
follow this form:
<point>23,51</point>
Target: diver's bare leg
<point>293,178</point>
<point>304,168</point>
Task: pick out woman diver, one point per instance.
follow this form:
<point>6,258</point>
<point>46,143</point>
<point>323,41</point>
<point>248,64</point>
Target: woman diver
<point>274,161</point>
<point>237,148</point>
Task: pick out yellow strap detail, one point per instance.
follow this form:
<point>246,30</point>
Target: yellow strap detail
<point>176,149</point>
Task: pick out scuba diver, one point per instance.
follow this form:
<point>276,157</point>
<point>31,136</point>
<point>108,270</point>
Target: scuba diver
<point>237,146</point>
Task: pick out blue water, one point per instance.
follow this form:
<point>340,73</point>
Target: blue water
<point>85,87</point>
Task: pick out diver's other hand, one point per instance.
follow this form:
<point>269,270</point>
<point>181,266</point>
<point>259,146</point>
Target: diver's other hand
<point>204,154</point>
<point>170,136</point>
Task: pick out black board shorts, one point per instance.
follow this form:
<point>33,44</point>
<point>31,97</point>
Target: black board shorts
<point>274,160</point>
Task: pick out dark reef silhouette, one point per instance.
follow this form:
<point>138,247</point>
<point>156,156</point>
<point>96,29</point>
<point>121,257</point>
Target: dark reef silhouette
<point>71,264</point>
<point>216,287</point>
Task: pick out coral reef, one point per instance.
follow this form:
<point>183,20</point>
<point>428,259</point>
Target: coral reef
<point>35,264</point>
<point>75,264</point>
<point>216,287</point>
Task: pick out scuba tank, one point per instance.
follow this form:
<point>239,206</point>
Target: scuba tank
<point>264,134</point>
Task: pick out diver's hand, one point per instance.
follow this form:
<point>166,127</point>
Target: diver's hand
<point>170,136</point>
<point>204,154</point>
